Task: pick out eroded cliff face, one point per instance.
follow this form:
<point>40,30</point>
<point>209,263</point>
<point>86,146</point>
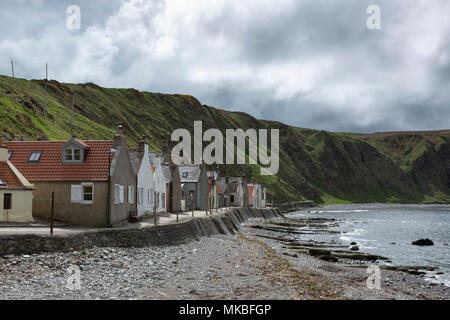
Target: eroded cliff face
<point>317,165</point>
<point>431,170</point>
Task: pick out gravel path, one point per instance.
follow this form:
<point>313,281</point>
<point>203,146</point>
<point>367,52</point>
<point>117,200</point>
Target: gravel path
<point>220,267</point>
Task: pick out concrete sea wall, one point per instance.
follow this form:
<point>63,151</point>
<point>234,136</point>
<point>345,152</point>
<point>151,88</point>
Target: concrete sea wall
<point>173,234</point>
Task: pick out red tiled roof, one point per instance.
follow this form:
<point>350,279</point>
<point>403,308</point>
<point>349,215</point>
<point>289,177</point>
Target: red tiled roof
<point>8,178</point>
<point>50,166</point>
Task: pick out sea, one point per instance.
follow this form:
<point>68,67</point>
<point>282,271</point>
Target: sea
<point>388,230</point>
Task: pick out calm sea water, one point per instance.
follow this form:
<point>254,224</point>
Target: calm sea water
<point>388,230</point>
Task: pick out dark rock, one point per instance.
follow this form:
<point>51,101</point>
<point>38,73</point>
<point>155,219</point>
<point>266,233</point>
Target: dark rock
<point>354,248</point>
<point>318,252</point>
<point>423,242</point>
<point>328,257</point>
<point>353,243</point>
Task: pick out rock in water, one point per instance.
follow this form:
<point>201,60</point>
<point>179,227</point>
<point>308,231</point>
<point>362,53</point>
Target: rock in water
<point>423,242</point>
<point>354,248</point>
<point>353,243</point>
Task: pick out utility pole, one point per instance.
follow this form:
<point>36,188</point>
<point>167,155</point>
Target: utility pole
<point>154,211</point>
<point>73,103</point>
<point>46,79</point>
<point>52,213</point>
<point>12,68</point>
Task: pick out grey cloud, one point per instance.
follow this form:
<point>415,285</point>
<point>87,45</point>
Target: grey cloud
<point>307,63</point>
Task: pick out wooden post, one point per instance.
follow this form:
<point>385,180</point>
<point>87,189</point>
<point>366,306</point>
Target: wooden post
<point>211,204</point>
<point>154,212</point>
<point>52,213</point>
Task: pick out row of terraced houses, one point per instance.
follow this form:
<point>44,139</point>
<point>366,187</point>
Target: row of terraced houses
<point>106,184</point>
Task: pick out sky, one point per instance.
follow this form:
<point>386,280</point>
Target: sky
<point>308,63</point>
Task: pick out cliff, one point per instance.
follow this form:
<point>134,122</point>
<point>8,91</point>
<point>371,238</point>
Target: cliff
<point>317,165</point>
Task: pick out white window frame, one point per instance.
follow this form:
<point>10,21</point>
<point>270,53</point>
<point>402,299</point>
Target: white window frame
<point>76,193</point>
<point>72,155</point>
<point>130,194</point>
<point>116,194</point>
<point>140,195</point>
<point>83,185</point>
<point>121,194</point>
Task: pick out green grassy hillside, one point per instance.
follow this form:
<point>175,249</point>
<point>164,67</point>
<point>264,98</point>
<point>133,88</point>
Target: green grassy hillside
<point>319,165</point>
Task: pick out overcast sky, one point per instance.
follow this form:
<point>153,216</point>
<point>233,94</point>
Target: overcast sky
<point>310,63</point>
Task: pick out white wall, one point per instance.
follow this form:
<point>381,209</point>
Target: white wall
<point>146,184</point>
<point>160,186</point>
<point>21,207</point>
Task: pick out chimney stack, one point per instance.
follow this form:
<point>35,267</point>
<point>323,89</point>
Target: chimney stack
<point>120,129</point>
<point>141,146</point>
<point>3,151</point>
<point>165,152</point>
<point>119,138</point>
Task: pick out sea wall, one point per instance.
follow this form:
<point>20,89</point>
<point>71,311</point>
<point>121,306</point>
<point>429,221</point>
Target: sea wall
<point>173,234</point>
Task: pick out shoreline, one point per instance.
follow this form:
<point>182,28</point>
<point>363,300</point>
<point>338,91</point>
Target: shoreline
<point>242,265</point>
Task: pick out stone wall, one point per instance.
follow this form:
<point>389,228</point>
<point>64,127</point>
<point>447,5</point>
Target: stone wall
<point>224,223</point>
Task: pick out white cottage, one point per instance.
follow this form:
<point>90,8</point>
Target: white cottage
<point>145,184</point>
<point>158,181</point>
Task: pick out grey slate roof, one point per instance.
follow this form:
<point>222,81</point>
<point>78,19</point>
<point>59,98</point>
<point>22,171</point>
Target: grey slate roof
<point>152,155</point>
<point>135,161</point>
<point>193,173</point>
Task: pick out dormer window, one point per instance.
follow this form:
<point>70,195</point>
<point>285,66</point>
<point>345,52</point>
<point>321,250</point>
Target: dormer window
<point>1,183</point>
<point>35,156</point>
<point>74,151</point>
<point>72,155</point>
<point>185,174</point>
<point>10,153</point>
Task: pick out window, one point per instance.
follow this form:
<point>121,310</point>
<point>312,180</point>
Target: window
<point>116,193</point>
<point>88,193</point>
<point>75,193</point>
<point>72,155</point>
<point>185,174</point>
<point>2,183</point>
<point>10,153</point>
<point>83,193</point>
<point>7,199</point>
<point>141,195</point>
<point>163,200</point>
<point>232,198</point>
<point>130,194</point>
<point>35,156</point>
<point>121,194</point>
